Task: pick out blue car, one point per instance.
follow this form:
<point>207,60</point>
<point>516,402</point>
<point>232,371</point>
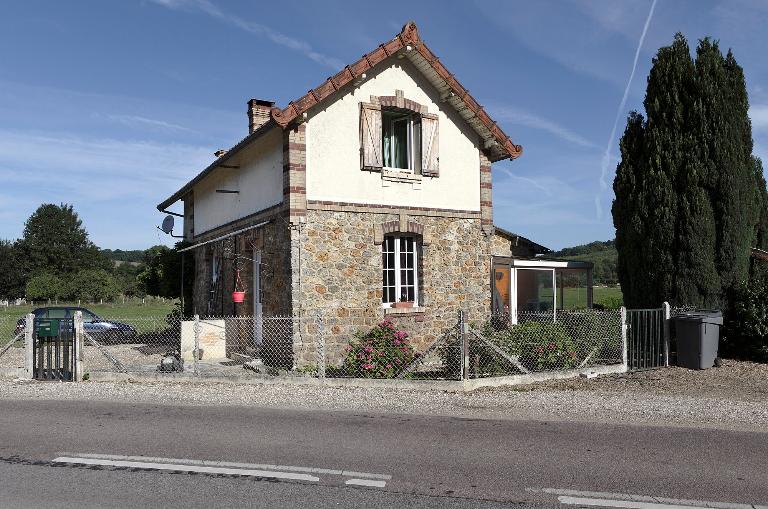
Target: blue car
<point>98,328</point>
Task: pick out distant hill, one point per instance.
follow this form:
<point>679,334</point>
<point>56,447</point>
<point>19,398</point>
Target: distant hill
<point>602,253</point>
<point>118,255</point>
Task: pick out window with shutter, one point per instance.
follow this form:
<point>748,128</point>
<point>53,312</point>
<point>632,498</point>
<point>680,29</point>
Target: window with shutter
<point>397,134</point>
<point>430,153</point>
<point>371,157</point>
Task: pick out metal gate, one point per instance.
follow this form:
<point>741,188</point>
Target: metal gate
<point>646,347</point>
<point>54,349</point>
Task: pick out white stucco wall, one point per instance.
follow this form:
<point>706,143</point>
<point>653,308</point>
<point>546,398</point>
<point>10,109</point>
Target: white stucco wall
<point>333,148</point>
<point>259,180</point>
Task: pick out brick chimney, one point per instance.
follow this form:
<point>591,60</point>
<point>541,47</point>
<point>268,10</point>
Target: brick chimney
<point>258,113</point>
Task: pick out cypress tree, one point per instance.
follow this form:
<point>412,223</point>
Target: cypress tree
<point>725,137</point>
<point>758,269</point>
<point>689,195</point>
<point>646,204</point>
<point>629,210</point>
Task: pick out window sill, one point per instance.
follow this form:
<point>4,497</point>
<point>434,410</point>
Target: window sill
<point>405,311</point>
<point>403,176</point>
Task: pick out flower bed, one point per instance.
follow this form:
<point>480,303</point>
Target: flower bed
<point>382,352</point>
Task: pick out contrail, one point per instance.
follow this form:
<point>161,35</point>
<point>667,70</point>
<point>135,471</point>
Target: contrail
<point>607,155</point>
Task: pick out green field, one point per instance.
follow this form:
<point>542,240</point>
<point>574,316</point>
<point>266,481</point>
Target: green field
<point>609,297</point>
<point>145,315</point>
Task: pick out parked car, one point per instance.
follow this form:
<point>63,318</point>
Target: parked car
<point>98,328</point>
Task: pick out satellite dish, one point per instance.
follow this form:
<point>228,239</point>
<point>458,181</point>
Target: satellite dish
<point>167,224</point>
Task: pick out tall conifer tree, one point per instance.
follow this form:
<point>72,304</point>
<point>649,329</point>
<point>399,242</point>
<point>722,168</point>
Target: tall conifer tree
<point>688,195</point>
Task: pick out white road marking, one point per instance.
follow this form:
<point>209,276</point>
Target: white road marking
<point>625,504</point>
<point>630,501</point>
<point>229,464</point>
<point>366,482</point>
<point>272,474</point>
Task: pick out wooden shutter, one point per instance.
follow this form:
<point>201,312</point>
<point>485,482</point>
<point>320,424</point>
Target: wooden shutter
<point>371,157</point>
<point>430,148</point>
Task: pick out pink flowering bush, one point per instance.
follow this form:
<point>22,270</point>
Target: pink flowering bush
<point>382,352</point>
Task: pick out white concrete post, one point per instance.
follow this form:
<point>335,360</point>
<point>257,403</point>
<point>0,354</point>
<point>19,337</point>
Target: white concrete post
<point>624,352</point>
<point>320,347</point>
<point>667,317</point>
<point>196,352</point>
<point>464,346</point>
<point>79,359</point>
<point>29,345</point>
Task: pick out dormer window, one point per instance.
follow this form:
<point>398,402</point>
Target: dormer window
<point>399,134</point>
<point>401,140</point>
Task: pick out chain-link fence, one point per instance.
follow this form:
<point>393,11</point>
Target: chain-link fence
<point>541,342</point>
<point>345,343</point>
<point>11,343</point>
<point>388,350</point>
<point>209,346</point>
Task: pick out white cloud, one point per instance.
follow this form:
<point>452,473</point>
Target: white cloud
<point>603,181</point>
<point>573,39</point>
<point>759,115</point>
<point>276,37</point>
<point>114,185</point>
<point>618,17</point>
<point>535,183</point>
<point>139,121</point>
<point>98,169</point>
<point>520,117</point>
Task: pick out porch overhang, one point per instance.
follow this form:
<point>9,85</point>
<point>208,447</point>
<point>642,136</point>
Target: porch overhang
<point>543,263</point>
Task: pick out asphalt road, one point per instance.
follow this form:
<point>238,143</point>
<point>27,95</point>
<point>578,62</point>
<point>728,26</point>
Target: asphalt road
<point>414,461</point>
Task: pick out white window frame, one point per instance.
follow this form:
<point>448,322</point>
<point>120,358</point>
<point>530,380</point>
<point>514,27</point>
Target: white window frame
<point>409,136</point>
<point>514,312</point>
<point>398,277</point>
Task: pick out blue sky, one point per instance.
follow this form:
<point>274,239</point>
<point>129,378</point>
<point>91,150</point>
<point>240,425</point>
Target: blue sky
<point>113,105</point>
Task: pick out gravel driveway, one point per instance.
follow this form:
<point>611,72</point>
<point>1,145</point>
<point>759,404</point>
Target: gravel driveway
<point>733,381</point>
<point>734,396</point>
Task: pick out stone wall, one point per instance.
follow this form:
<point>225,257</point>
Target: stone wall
<point>501,245</point>
<point>273,240</point>
<point>341,276</point>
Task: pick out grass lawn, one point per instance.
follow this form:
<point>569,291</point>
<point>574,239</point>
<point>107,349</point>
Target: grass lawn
<point>607,295</point>
<point>610,297</point>
<point>141,313</point>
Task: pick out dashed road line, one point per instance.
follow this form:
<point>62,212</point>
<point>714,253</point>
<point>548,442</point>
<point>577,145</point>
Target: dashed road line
<point>246,472</point>
<point>288,472</point>
<point>259,466</point>
<point>631,501</point>
<point>366,482</point>
<point>623,504</point>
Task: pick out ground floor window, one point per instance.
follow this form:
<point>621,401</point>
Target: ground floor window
<point>399,254</point>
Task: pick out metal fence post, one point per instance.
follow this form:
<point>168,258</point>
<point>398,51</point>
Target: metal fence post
<point>196,352</point>
<point>667,316</point>
<point>320,347</point>
<point>78,368</point>
<point>464,346</point>
<point>624,352</point>
<point>29,346</point>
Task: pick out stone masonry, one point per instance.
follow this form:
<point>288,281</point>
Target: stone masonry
<point>341,277</point>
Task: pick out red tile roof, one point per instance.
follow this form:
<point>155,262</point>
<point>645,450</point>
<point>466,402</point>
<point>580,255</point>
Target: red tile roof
<point>452,90</point>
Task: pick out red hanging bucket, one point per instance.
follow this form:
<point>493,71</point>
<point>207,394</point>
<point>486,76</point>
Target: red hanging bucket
<point>238,296</point>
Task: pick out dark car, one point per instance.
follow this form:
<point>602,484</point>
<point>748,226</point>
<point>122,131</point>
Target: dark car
<point>98,328</point>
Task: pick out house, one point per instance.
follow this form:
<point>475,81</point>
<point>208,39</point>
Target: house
<point>368,197</point>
